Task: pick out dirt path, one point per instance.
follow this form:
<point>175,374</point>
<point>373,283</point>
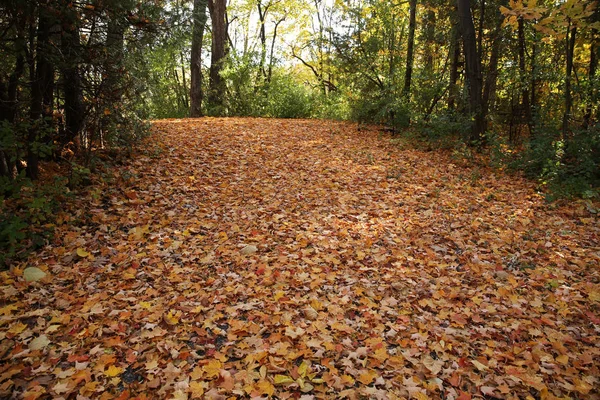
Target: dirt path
<point>284,258</point>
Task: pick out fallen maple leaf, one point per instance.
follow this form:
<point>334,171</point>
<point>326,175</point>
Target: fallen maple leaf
<point>113,371</point>
<point>212,369</point>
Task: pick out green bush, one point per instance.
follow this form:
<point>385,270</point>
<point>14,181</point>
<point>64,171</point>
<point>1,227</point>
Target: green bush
<point>27,216</point>
<point>381,108</point>
<point>286,98</point>
<point>444,130</point>
<point>567,166</point>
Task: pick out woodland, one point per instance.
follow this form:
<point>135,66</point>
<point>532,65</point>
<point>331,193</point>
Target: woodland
<point>299,199</point>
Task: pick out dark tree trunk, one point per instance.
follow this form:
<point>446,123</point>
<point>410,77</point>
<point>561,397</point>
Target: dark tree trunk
<point>410,50</point>
<point>570,44</point>
<point>430,39</point>
<point>196,93</point>
<point>455,54</point>
<point>70,46</point>
<point>271,61</point>
<point>473,70</point>
<point>41,90</point>
<point>523,71</point>
<point>114,66</point>
<point>9,102</point>
<point>262,14</point>
<point>489,89</point>
<point>593,67</point>
<point>219,37</point>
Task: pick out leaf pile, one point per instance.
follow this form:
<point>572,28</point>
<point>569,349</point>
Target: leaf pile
<point>303,259</point>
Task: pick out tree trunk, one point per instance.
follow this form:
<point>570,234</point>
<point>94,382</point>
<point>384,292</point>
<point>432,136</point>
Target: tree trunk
<point>196,93</point>
<point>271,61</point>
<point>593,67</point>
<point>410,49</point>
<point>41,85</point>
<point>570,43</point>
<point>219,37</point>
<point>523,72</point>
<point>262,14</point>
<point>489,89</point>
<point>70,46</point>
<point>430,39</point>
<point>455,54</point>
<point>473,70</point>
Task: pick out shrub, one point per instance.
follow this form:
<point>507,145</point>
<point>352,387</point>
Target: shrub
<point>27,217</point>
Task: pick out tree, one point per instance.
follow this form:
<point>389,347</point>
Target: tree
<point>196,92</point>
<point>216,94</point>
<point>410,49</point>
<point>473,70</point>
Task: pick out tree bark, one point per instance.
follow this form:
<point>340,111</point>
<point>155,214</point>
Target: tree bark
<point>71,46</point>
<point>523,71</point>
<point>455,53</point>
<point>473,70</point>
<point>410,49</point>
<point>570,44</point>
<point>216,95</point>
<point>271,61</point>
<point>196,92</point>
<point>593,67</point>
<point>41,85</point>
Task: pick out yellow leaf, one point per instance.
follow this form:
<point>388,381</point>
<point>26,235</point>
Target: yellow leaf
<point>82,253</point>
<point>145,304</point>
<point>212,369</point>
<point>367,377</point>
<point>348,380</point>
<point>196,373</point>
<point>302,369</point>
<point>380,354</point>
<point>172,318</point>
<point>282,379</point>
<point>420,396</point>
<point>113,371</point>
<point>17,328</point>
<point>582,386</point>
<point>196,389</point>
<point>563,359</point>
<point>265,387</point>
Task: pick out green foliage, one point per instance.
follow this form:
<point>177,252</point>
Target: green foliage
<point>286,98</point>
<point>381,108</point>
<point>568,167</point>
<point>444,130</point>
<point>27,217</point>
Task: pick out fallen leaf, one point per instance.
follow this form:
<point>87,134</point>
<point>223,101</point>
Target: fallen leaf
<point>33,274</point>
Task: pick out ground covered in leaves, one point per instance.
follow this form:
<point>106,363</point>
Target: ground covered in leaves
<point>304,259</point>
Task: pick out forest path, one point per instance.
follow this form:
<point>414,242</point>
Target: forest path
<point>254,257</point>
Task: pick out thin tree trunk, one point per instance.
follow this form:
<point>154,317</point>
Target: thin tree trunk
<point>39,90</point>
<point>593,67</point>
<point>216,95</point>
<point>196,92</point>
<point>570,43</point>
<point>523,72</point>
<point>70,47</point>
<point>263,40</point>
<point>533,106</point>
<point>430,39</point>
<point>489,89</point>
<point>185,85</point>
<point>473,70</point>
<point>271,61</point>
<point>455,51</point>
<point>410,49</point>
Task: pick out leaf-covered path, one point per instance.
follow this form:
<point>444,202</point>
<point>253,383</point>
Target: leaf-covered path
<point>255,258</point>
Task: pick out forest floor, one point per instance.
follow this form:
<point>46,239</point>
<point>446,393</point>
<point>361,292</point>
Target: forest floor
<point>305,259</point>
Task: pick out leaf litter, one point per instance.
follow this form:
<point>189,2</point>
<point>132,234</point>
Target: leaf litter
<point>305,259</point>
